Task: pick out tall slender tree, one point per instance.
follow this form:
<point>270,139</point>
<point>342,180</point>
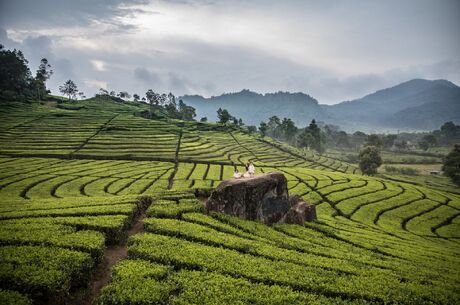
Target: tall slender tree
<point>44,72</point>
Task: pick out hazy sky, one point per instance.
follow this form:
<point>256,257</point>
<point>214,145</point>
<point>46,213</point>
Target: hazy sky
<point>332,50</point>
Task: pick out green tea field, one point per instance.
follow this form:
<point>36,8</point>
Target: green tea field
<point>98,206</point>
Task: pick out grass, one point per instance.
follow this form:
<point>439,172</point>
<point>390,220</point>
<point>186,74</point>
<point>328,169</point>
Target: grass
<point>69,188</point>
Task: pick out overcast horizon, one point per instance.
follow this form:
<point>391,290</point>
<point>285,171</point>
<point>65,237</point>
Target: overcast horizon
<point>332,50</point>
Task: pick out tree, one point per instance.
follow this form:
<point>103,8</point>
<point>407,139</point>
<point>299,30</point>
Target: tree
<point>448,129</point>
<point>15,75</point>
<point>204,119</point>
<point>401,145</point>
<point>44,72</point>
<point>427,141</point>
<point>316,138</point>
<point>342,139</point>
<point>389,140</point>
<point>251,129</point>
<point>187,113</point>
<point>373,140</point>
<point>162,99</point>
<point>358,138</point>
<point>263,129</point>
<point>289,129</point>
<point>153,98</point>
<point>451,166</point>
<point>369,160</point>
<point>104,93</point>
<point>124,94</point>
<point>224,116</point>
<point>449,133</point>
<point>172,110</point>
<point>314,129</point>
<point>171,100</point>
<point>305,139</point>
<point>136,97</point>
<point>274,127</point>
<point>69,88</point>
<point>81,95</point>
<point>171,106</point>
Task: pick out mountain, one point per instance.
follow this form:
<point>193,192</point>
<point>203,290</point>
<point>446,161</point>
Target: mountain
<point>417,104</point>
<point>253,107</point>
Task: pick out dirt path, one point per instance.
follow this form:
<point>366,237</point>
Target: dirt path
<point>102,275</point>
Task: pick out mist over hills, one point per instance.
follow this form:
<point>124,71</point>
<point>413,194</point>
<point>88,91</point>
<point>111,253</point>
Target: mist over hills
<point>417,104</point>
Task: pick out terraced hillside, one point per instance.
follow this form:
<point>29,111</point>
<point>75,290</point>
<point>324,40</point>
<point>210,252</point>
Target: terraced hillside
<point>76,184</point>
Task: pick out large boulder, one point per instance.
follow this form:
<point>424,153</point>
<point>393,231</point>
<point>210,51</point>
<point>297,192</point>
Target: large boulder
<point>300,212</point>
<point>264,198</point>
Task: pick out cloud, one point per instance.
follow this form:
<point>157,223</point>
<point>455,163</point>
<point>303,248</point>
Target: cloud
<point>98,65</point>
<point>96,84</point>
<point>27,13</point>
<point>146,76</point>
<point>40,46</point>
<point>332,51</point>
<point>180,83</point>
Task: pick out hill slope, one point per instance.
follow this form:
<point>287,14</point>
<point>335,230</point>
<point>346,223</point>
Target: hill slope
<point>69,197</point>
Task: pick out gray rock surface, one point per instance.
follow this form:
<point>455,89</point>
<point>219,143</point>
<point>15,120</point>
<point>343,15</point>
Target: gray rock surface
<point>264,198</point>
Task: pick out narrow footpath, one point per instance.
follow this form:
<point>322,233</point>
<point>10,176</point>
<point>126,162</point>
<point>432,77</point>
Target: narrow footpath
<point>112,255</point>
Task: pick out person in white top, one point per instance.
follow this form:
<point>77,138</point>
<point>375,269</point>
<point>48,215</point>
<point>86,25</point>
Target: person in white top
<point>251,169</point>
<point>237,174</point>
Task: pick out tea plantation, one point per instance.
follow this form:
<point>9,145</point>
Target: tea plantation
<point>73,183</point>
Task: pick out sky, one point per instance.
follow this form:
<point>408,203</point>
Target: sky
<point>332,50</point>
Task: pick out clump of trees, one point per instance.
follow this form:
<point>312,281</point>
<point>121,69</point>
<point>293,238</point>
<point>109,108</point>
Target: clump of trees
<point>168,103</point>
<point>16,80</point>
<point>369,160</point>
<point>448,134</point>
<point>451,166</point>
<point>312,137</point>
<point>427,142</point>
<point>225,117</point>
<point>284,130</point>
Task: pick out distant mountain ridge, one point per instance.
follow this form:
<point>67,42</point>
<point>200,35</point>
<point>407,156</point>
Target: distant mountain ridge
<point>417,104</point>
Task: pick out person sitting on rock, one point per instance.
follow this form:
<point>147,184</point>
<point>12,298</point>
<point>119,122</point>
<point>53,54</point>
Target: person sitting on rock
<point>251,169</point>
<point>237,174</point>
